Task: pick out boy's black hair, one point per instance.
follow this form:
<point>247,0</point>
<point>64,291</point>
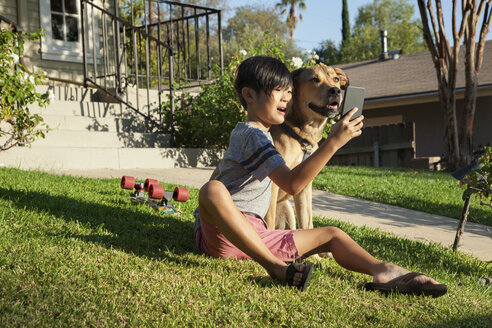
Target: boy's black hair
<point>261,73</point>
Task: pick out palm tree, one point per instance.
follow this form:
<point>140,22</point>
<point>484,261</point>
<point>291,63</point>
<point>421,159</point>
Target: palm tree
<point>292,17</point>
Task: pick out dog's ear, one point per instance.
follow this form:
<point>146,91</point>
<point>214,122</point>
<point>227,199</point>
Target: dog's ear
<point>344,80</point>
<point>296,73</point>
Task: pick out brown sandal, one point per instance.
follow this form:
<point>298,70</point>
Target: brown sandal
<point>306,275</point>
<point>406,284</point>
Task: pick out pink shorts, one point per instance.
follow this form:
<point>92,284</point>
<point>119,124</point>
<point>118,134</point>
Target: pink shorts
<point>280,242</point>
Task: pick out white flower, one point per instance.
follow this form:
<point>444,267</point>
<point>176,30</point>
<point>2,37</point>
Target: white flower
<point>26,76</point>
<point>51,95</point>
<point>296,62</point>
<point>15,57</point>
<point>309,51</point>
<point>31,79</point>
<point>316,57</point>
<point>243,52</point>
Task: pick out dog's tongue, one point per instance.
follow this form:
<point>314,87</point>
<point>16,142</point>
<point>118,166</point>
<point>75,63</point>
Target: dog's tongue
<point>332,106</point>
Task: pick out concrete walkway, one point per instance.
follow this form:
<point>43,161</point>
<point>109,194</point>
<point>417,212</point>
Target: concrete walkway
<point>414,225</point>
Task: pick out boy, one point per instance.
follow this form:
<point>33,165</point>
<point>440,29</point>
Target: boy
<point>233,203</point>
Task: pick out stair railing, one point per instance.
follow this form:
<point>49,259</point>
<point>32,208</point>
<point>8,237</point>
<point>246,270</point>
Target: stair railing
<point>140,59</point>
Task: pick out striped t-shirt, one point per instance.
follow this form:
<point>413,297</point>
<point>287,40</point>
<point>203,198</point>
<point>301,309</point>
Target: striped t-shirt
<point>244,170</point>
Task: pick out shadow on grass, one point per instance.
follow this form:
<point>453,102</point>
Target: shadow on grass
<point>142,234</point>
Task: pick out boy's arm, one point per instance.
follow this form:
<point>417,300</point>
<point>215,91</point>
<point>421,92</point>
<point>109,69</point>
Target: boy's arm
<point>295,180</point>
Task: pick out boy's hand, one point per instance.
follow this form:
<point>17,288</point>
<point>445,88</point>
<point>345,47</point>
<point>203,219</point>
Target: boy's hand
<point>344,130</point>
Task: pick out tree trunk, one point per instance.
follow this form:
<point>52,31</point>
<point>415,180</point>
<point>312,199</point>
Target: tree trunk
<point>447,84</point>
<point>466,134</point>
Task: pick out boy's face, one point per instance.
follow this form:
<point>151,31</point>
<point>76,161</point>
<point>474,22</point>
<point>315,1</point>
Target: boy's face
<point>265,111</point>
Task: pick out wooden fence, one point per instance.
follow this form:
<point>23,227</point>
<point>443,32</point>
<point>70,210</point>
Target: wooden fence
<point>387,145</point>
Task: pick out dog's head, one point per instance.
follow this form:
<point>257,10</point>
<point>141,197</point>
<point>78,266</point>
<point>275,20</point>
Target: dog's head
<point>318,90</point>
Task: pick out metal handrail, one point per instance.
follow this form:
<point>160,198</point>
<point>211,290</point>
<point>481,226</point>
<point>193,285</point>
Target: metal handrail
<point>16,28</point>
<point>148,55</point>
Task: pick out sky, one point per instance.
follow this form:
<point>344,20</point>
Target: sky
<point>322,19</point>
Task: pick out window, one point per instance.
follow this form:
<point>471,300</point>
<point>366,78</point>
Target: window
<point>60,20</point>
<point>64,20</point>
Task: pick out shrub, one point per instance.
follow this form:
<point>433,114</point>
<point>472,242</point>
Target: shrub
<point>18,127</point>
<point>206,120</point>
<point>479,180</point>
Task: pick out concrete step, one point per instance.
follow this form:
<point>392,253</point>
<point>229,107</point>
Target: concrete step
<point>73,93</point>
<point>99,124</point>
<point>92,94</point>
<point>67,158</point>
<point>84,108</point>
<point>91,109</point>
<point>105,139</point>
<point>69,93</point>
<point>90,102</point>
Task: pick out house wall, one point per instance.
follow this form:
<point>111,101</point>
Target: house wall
<point>482,132</point>
<point>8,9</point>
<point>29,21</point>
<point>430,126</point>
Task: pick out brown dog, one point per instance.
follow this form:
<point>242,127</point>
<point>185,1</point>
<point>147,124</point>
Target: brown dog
<point>317,95</point>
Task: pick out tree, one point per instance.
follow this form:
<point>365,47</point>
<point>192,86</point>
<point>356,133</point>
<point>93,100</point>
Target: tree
<point>395,16</point>
<point>458,136</point>
<point>249,17</point>
<point>345,22</point>
<point>250,26</point>
<point>292,17</point>
<point>328,53</point>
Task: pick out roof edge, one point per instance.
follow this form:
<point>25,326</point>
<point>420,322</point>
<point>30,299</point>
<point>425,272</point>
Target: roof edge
<point>419,98</point>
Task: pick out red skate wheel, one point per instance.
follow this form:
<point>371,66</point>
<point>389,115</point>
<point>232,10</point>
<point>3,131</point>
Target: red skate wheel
<point>127,182</point>
<point>148,183</point>
<point>156,191</point>
<point>180,194</point>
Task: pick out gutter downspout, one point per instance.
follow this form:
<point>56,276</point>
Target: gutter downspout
<point>19,13</point>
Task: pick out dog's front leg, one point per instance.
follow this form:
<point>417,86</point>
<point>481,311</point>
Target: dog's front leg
<point>304,208</point>
<point>285,219</point>
<point>272,210</point>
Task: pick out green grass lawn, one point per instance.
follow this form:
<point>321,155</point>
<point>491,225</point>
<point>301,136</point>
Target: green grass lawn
<point>74,252</point>
<point>421,190</point>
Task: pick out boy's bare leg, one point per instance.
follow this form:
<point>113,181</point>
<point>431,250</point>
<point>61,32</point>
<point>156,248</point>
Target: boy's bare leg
<point>217,208</point>
<point>348,253</point>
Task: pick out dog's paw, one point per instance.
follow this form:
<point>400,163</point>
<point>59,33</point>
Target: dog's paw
<point>320,256</point>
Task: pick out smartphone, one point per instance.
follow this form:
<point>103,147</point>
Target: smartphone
<point>354,97</point>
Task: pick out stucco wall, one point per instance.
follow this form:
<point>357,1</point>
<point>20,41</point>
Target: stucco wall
<point>430,125</point>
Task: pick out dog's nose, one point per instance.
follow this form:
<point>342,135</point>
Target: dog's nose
<point>334,91</point>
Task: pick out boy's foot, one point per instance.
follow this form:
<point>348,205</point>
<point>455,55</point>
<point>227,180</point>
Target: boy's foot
<point>409,284</point>
<point>393,278</point>
<point>297,275</point>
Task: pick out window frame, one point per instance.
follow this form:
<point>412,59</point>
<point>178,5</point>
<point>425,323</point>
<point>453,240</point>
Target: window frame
<point>60,50</point>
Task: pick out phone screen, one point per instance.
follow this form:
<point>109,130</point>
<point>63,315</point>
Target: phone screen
<point>354,97</point>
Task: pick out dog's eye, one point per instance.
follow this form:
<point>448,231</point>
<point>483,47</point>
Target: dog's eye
<point>315,79</point>
<point>336,79</point>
